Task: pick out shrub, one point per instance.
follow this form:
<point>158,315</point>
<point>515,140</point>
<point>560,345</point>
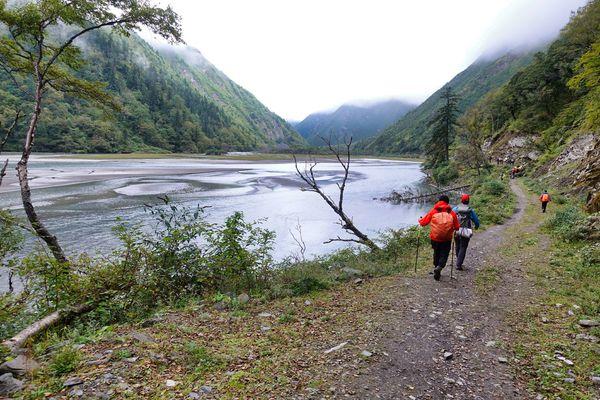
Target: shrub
<point>444,174</point>
<point>65,361</point>
<point>185,255</point>
<point>492,200</point>
<point>568,223</point>
<point>200,359</point>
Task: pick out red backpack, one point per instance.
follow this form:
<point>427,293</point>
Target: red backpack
<point>442,226</point>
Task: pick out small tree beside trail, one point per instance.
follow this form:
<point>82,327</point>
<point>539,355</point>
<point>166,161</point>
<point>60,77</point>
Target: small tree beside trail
<point>38,52</point>
<point>342,155</point>
<point>443,125</point>
<point>469,152</point>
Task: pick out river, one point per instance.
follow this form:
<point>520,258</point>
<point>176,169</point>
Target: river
<point>80,199</point>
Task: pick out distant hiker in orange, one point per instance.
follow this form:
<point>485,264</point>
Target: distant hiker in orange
<point>545,199</point>
<point>443,224</point>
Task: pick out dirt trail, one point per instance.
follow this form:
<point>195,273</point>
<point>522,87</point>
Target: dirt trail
<point>433,318</point>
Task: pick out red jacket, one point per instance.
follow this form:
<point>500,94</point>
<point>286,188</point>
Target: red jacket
<point>439,207</point>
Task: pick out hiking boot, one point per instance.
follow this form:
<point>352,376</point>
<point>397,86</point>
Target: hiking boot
<point>460,268</point>
<point>437,273</point>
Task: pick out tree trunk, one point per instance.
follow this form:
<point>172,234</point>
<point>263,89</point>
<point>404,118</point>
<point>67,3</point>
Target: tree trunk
<point>22,172</point>
<point>16,342</point>
<point>3,171</point>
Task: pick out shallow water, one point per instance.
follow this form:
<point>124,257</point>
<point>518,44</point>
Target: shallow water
<point>80,199</point>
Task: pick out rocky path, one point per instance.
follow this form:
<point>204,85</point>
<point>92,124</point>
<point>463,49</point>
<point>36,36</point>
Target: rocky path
<point>445,338</point>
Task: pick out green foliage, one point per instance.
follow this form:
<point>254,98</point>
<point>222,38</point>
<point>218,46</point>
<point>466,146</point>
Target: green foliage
<point>240,252</point>
<point>65,361</point>
<point>492,199</point>
<point>568,223</point>
<point>200,359</point>
<point>588,80</point>
<point>445,173</point>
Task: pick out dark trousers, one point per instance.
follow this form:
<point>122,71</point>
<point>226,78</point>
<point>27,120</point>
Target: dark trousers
<point>544,205</point>
<point>441,251</point>
<point>461,244</point>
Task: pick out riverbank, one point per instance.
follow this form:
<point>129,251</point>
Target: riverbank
<point>314,303</point>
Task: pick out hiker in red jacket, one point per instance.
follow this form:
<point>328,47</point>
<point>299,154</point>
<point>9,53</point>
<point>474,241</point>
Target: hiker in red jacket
<point>545,199</point>
<point>443,224</point>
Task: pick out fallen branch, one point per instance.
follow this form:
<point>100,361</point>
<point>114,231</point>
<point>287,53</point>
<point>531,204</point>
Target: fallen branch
<point>15,343</point>
<point>396,197</point>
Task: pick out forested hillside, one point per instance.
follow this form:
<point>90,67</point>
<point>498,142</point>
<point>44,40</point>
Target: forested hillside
<point>409,134</point>
<point>547,117</point>
<point>171,100</point>
<point>358,122</point>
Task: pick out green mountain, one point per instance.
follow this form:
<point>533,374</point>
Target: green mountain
<point>358,122</point>
<point>409,134</point>
<point>172,99</point>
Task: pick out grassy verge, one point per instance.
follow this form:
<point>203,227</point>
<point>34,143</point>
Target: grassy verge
<point>557,356</point>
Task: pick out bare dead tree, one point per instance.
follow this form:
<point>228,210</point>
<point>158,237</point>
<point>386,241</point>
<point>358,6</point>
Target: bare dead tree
<point>299,241</point>
<point>308,176</point>
<point>7,134</point>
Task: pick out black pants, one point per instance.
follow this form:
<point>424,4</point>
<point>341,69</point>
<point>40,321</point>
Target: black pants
<point>544,205</point>
<point>461,244</point>
<point>441,251</point>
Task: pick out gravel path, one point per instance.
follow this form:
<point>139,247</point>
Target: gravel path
<point>444,339</point>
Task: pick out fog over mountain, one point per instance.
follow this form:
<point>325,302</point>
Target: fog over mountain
<point>359,120</point>
<point>302,56</point>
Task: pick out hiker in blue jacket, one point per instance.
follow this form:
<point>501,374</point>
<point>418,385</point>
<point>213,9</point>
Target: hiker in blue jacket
<point>467,217</point>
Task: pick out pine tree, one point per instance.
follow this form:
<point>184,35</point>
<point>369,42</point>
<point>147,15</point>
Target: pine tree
<point>444,126</point>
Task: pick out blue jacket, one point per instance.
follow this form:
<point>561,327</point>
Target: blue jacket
<point>474,217</point>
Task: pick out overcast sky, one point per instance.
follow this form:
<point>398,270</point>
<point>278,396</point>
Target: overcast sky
<point>302,56</point>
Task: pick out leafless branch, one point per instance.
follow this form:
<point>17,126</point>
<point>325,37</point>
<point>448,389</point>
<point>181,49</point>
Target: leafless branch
<point>299,240</point>
<point>308,176</point>
<point>7,133</point>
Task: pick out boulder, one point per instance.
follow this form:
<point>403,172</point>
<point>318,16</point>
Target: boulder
<point>9,385</point>
<point>75,381</point>
<point>243,298</point>
<point>352,272</point>
<point>589,323</point>
<point>142,337</point>
<point>20,365</point>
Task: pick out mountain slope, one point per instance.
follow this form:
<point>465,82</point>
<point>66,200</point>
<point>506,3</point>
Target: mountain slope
<point>171,101</point>
<point>409,134</point>
<point>359,122</point>
<point>547,117</point>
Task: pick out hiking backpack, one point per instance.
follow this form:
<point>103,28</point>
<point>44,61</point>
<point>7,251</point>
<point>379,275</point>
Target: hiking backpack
<point>442,226</point>
<point>463,212</point>
<point>545,198</point>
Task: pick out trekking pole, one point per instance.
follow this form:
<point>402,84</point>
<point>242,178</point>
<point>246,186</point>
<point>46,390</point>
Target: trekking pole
<point>452,258</point>
<point>418,244</point>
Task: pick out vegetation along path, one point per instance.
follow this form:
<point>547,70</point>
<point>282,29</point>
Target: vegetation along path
<point>446,338</point>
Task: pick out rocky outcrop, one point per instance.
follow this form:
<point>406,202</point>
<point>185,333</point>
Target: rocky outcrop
<point>587,176</point>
